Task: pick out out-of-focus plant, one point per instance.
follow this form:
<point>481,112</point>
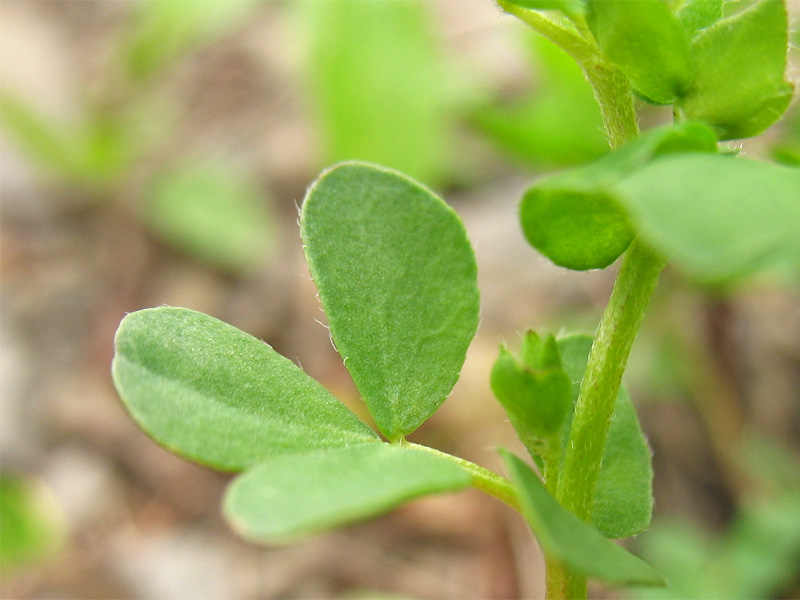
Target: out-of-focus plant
<point>558,123</point>
<point>787,148</point>
<point>758,553</point>
<point>377,85</point>
<point>223,219</point>
<point>31,525</point>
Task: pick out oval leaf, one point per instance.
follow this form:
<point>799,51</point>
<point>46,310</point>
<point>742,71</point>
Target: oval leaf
<point>289,497</point>
<point>739,85</point>
<point>397,278</point>
<point>575,228</point>
<point>219,396</point>
<point>623,500</point>
<point>718,217</point>
<point>565,537</point>
<point>574,219</point>
<point>646,42</point>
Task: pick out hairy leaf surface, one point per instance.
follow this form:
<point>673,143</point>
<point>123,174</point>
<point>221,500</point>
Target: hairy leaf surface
<point>216,395</point>
<point>695,15</point>
<point>291,496</point>
<point>397,278</point>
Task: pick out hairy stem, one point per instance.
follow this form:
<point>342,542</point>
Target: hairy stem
<point>587,440</point>
<point>613,93</point>
<point>618,328</point>
<point>635,283</point>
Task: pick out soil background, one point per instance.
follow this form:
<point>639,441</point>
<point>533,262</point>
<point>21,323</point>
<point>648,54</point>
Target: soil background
<point>143,523</point>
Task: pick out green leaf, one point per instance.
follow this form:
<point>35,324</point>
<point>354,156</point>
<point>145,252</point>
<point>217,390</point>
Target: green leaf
<point>218,396</point>
<point>575,228</point>
<point>623,500</point>
<point>293,496</point>
<point>539,355</point>
<point>739,86</point>
<point>212,213</point>
<point>574,218</point>
<point>377,85</point>
<point>718,217</point>
<point>695,15</point>
<point>397,278</point>
<point>32,525</point>
<point>646,42</point>
<point>565,537</point>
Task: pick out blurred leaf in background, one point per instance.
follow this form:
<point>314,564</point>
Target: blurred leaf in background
<point>212,213</point>
<point>755,557</point>
<point>90,153</point>
<point>31,525</point>
<point>558,124</point>
<point>161,32</point>
<point>376,84</point>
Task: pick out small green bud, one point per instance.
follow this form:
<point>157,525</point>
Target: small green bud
<point>537,398</point>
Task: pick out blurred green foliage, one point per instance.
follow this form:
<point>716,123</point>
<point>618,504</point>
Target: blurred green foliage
<point>161,32</point>
<point>558,123</point>
<point>215,214</point>
<point>31,526</point>
<point>756,556</point>
<point>377,85</point>
<point>211,212</point>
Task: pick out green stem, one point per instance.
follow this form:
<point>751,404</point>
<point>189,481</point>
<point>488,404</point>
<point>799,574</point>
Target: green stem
<point>587,440</point>
<point>566,39</point>
<point>618,328</point>
<point>613,93</point>
<point>621,320</point>
<point>482,478</point>
<point>634,286</point>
